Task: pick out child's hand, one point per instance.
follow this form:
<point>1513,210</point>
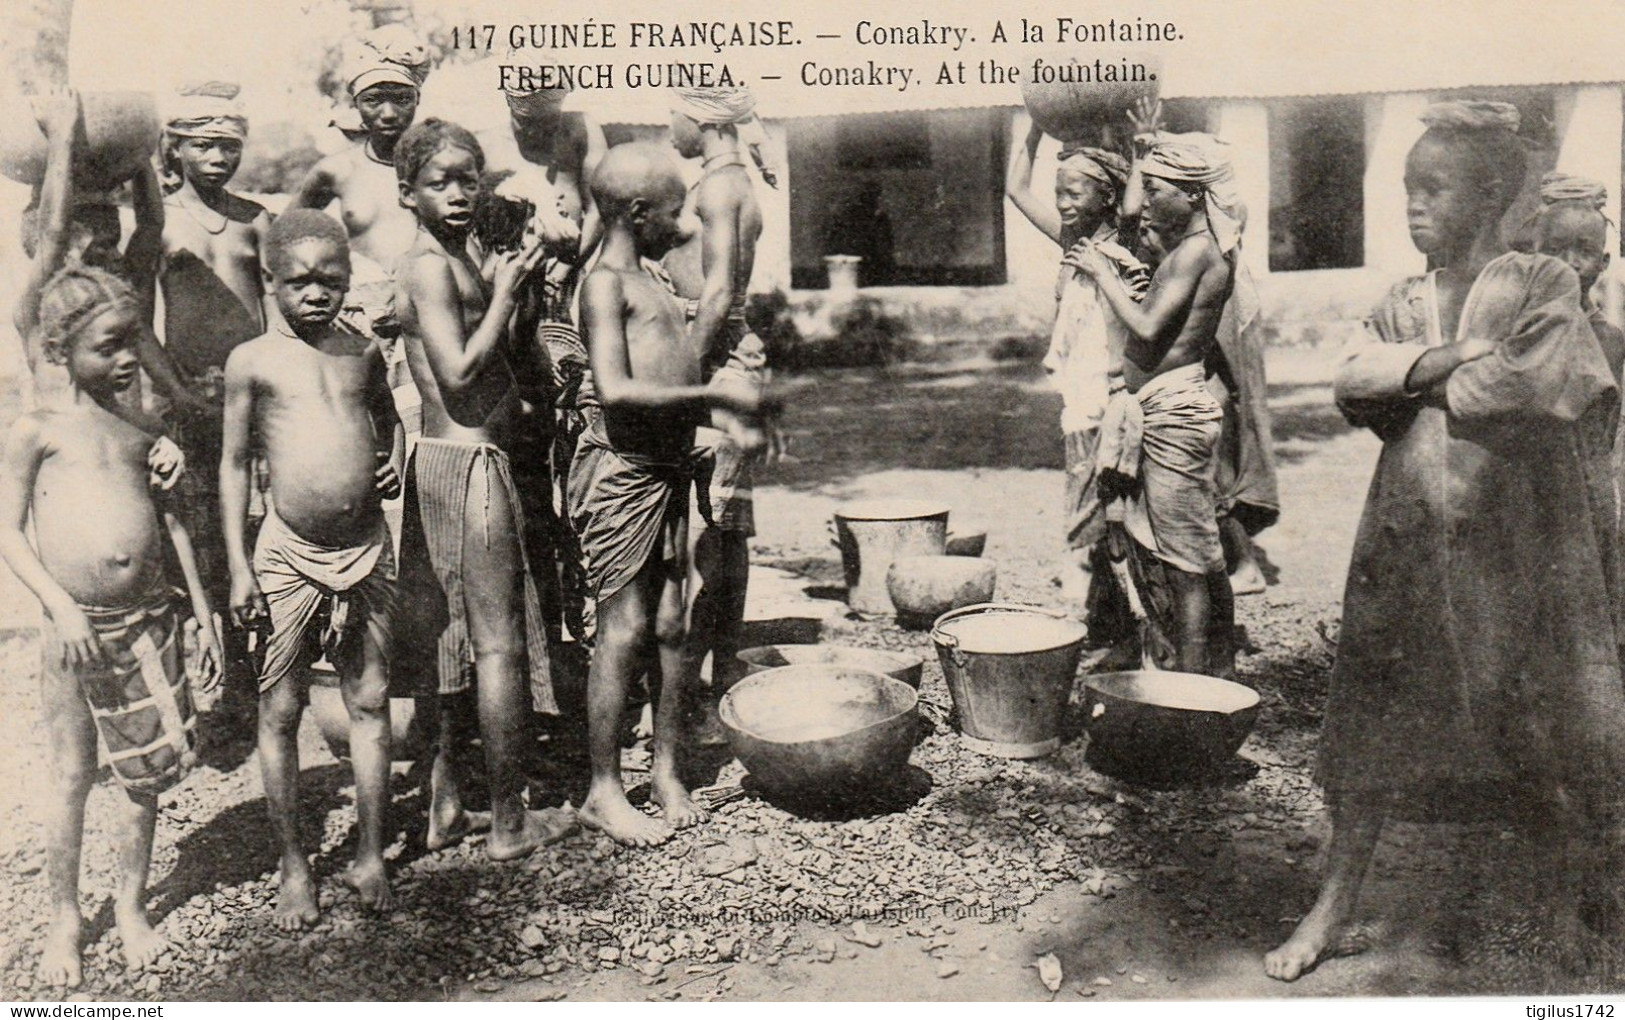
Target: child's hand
<point>1145,120</point>
<point>1088,260</point>
<point>509,268</point>
<point>166,463</point>
<point>553,227</point>
<point>77,644</point>
<point>386,479</point>
<point>211,659</point>
<point>248,606</point>
<point>58,113</point>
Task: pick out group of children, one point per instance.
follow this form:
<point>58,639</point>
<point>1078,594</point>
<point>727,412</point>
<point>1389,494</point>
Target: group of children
<point>1480,649</point>
<point>585,406</point>
<point>565,403</point>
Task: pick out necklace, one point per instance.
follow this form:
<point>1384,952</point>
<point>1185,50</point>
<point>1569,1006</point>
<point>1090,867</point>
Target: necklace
<point>732,154</point>
<point>366,147</point>
<point>200,221</point>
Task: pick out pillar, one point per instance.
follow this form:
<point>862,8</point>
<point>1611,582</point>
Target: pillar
<point>1245,125</point>
<point>772,269</point>
<point>1392,126</point>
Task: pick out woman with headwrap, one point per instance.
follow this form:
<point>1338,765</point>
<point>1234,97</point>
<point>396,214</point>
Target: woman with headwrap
<point>1479,661</point>
<point>1165,429</point>
<point>384,71</point>
<point>214,300</point>
<point>1086,348</point>
<point>711,272</point>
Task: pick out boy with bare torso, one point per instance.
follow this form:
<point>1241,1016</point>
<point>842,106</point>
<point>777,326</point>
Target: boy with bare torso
<point>1189,197</point>
<point>629,485</point>
<point>80,469</point>
<point>321,576</point>
<point>464,513</point>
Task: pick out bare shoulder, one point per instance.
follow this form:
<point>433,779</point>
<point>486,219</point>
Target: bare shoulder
<point>722,193</point>
<point>31,431</point>
<point>244,359</point>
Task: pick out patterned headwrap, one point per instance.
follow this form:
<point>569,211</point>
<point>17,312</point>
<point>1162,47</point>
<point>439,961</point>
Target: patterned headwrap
<point>388,54</point>
<point>727,104</point>
<point>1202,160</point>
<point>534,102</point>
<point>206,110</point>
<point>1471,115</point>
<point>1557,186</point>
<point>1101,164</point>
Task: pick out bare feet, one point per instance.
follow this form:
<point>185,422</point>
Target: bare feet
<point>613,815</point>
<point>681,810</point>
<point>296,900</point>
<point>1248,579</point>
<point>540,828</point>
<point>447,827</point>
<point>59,964</point>
<point>142,943</point>
<point>1307,947</point>
<point>371,884</point>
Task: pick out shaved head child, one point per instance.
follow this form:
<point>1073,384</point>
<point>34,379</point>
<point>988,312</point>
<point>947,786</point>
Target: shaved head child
<point>320,577</point>
<point>630,483</point>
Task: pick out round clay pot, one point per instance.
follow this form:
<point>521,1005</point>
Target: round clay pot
<point>924,587</point>
<point>968,543</point>
<point>407,741</point>
<point>121,131</point>
<point>1073,110</point>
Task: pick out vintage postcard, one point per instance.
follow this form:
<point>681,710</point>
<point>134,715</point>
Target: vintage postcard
<point>758,501</point>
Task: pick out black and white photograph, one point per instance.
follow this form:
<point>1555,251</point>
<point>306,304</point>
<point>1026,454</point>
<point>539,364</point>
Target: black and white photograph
<point>746,501</point>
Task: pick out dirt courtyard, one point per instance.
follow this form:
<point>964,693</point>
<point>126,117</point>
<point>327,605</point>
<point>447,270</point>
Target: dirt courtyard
<point>952,892</point>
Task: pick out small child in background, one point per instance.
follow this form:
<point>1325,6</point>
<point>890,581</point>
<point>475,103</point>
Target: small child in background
<point>81,469</point>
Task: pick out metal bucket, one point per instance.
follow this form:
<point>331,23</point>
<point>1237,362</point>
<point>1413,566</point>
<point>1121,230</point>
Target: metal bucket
<point>873,533</point>
<point>1009,670</point>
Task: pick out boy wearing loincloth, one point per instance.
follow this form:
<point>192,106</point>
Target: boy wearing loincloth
<point>68,225</point>
<point>1190,196</point>
<point>1479,651</point>
<point>1086,347</point>
<point>214,299</point>
<point>320,580</point>
<point>629,485</point>
<point>464,514</point>
<point>384,72</point>
<point>112,669</point>
<point>712,274</point>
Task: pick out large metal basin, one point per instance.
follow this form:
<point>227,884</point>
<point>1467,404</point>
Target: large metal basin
<point>1164,724</point>
<point>820,734</point>
<point>906,668</point>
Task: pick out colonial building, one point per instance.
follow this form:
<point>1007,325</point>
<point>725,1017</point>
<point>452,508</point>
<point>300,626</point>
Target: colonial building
<point>914,180</point>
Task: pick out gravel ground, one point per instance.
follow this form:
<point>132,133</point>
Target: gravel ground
<point>744,906</point>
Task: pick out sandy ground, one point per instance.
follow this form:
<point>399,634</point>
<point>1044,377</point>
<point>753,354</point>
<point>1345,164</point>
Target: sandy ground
<point>1138,893</point>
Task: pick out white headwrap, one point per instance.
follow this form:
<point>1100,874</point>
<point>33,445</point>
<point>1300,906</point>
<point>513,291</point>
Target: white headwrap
<point>1204,160</point>
<point>727,104</point>
<point>389,54</point>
